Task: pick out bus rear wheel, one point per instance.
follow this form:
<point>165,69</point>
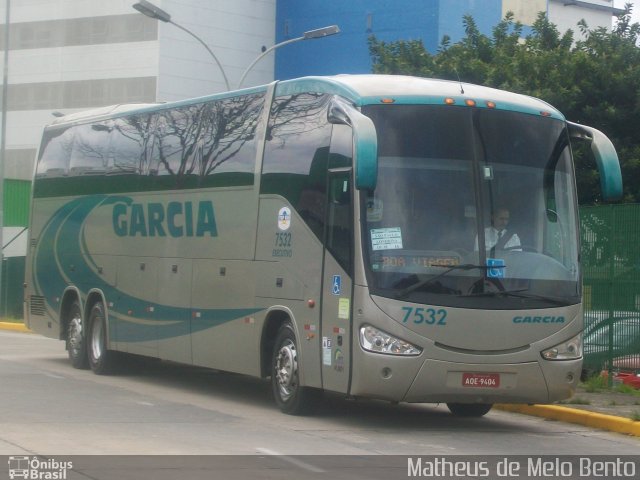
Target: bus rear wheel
<point>76,338</point>
<point>289,395</point>
<point>469,409</point>
<point>101,360</point>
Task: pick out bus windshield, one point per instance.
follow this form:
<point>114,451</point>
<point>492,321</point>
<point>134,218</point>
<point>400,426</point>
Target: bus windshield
<point>474,207</point>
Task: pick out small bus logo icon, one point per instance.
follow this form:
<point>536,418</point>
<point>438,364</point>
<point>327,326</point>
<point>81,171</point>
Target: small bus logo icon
<point>284,218</point>
<point>18,467</point>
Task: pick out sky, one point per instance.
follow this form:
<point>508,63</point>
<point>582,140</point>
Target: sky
<point>636,8</point>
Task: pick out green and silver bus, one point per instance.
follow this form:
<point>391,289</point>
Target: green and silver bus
<point>326,232</point>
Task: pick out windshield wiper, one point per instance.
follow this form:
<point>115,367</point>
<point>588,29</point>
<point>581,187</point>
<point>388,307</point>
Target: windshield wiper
<point>519,294</point>
<point>427,281</point>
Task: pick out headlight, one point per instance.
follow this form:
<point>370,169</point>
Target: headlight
<point>569,350</point>
<point>377,341</point>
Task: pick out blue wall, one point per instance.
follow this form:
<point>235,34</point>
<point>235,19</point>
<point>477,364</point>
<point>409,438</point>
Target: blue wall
<point>388,20</point>
<point>486,13</point>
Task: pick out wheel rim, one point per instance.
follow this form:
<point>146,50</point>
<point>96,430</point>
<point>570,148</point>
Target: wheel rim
<point>97,338</point>
<point>287,370</point>
<point>75,334</point>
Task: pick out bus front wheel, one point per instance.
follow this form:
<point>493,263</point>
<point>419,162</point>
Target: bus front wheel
<point>469,409</point>
<point>101,360</point>
<point>76,337</point>
<point>290,396</point>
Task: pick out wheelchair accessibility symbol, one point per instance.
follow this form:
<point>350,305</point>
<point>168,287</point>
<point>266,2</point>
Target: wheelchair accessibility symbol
<point>495,268</point>
<point>337,285</point>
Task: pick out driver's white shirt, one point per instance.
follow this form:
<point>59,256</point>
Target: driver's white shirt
<point>492,235</point>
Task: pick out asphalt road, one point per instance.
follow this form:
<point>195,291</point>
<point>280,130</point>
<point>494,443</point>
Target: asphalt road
<point>157,408</point>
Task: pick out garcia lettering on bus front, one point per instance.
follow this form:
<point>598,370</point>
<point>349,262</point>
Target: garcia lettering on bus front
<point>538,319</point>
<point>176,219</point>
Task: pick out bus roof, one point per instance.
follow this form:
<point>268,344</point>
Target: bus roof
<point>359,89</point>
<point>108,111</point>
<point>399,89</point>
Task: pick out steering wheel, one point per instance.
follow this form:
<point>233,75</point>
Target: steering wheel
<point>488,284</point>
<point>523,248</point>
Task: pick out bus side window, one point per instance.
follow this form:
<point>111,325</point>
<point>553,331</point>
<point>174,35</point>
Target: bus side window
<point>210,144</point>
<point>127,153</point>
<point>55,153</point>
<point>296,155</point>
<point>173,137</point>
<point>89,151</point>
<point>227,143</point>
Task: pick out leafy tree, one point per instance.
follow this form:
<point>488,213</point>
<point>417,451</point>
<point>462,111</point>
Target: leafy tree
<point>595,80</point>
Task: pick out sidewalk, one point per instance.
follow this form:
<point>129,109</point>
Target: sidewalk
<point>605,409</point>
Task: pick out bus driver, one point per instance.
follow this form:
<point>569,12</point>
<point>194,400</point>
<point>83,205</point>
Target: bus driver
<point>496,236</point>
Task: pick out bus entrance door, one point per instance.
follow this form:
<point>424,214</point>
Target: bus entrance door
<point>337,285</point>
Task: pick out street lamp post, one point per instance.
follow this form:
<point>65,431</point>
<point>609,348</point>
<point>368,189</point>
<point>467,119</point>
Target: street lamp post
<point>3,137</point>
<point>311,34</point>
<point>150,10</point>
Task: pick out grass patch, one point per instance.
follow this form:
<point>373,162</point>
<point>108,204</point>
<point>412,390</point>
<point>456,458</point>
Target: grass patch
<point>12,320</point>
<point>624,388</point>
<point>635,416</point>
<point>596,384</point>
<point>599,384</point>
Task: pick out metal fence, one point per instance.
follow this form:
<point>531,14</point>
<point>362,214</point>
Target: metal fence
<point>12,288</point>
<point>611,278</point>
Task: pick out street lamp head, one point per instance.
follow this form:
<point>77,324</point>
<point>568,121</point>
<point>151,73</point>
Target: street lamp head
<point>321,32</point>
<point>317,33</point>
<point>150,10</point>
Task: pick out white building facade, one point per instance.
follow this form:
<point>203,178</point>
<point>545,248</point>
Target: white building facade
<point>70,55</point>
<point>566,13</point>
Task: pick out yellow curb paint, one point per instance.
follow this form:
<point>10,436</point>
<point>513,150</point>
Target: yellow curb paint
<point>16,327</point>
<point>580,417</point>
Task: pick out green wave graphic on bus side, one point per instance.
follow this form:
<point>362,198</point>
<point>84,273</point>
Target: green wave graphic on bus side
<point>64,236</point>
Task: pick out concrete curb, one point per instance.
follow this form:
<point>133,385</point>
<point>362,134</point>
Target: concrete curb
<point>580,417</point>
<point>16,327</point>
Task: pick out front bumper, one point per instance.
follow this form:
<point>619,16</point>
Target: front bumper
<point>434,381</point>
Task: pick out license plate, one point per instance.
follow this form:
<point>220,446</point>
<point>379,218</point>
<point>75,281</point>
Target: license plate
<point>481,380</point>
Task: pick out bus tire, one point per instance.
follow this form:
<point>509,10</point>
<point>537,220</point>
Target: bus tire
<point>469,409</point>
<point>289,395</point>
<point>76,337</point>
<point>101,360</point>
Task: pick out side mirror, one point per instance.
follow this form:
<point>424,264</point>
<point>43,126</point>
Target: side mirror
<point>365,142</point>
<point>606,159</point>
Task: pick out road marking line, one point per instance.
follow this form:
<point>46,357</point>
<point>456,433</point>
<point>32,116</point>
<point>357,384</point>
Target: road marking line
<point>305,466</point>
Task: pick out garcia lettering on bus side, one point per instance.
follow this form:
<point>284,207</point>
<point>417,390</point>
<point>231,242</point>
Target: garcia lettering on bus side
<point>176,219</point>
